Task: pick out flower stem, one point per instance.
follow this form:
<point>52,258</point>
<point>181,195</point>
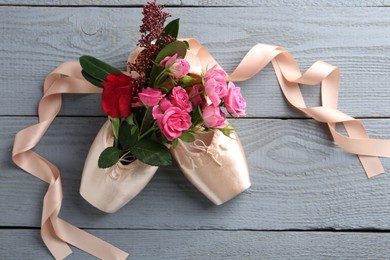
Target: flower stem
<point>143,122</point>
<point>197,94</point>
<point>149,131</point>
<point>160,77</point>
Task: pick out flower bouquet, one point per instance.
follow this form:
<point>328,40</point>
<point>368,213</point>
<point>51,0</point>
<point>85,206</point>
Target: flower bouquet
<point>165,103</point>
<point>171,101</point>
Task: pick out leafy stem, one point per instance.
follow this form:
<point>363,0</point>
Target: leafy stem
<point>160,77</point>
<point>143,122</point>
<point>154,127</point>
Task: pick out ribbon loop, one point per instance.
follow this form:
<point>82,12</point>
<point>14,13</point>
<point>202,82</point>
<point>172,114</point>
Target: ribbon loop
<point>212,152</point>
<point>67,79</point>
<point>55,232</point>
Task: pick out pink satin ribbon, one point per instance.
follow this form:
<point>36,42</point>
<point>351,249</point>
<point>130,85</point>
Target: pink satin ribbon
<point>67,79</point>
<point>289,77</point>
<point>55,232</point>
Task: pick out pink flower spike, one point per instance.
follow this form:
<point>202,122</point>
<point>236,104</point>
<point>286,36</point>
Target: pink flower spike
<point>150,96</point>
<point>234,102</point>
<point>213,117</point>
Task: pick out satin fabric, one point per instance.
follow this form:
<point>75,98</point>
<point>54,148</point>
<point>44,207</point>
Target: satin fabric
<point>289,78</point>
<point>112,188</point>
<point>215,164</point>
<point>56,233</point>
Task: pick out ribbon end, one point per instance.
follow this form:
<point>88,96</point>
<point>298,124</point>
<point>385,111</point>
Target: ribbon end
<point>372,165</point>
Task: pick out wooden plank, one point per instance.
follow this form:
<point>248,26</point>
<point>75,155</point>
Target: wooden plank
<point>36,40</point>
<point>300,180</point>
<point>86,2</point>
<point>291,3</point>
<point>262,3</point>
<point>202,244</point>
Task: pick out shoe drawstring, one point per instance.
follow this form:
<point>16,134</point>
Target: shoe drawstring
<point>213,153</point>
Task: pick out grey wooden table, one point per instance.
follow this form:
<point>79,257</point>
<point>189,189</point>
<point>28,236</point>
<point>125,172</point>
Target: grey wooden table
<point>308,200</point>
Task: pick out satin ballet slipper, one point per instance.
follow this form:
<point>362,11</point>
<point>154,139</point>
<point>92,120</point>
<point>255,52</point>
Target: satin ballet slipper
<point>112,188</point>
<point>215,164</point>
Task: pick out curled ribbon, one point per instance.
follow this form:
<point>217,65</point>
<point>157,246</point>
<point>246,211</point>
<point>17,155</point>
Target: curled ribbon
<point>67,79</point>
<point>55,232</point>
<point>289,78</point>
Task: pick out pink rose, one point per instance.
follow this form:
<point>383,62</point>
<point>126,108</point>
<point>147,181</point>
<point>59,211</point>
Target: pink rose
<point>178,68</point>
<point>180,98</point>
<point>196,95</point>
<point>165,104</point>
<point>157,113</point>
<point>234,102</point>
<point>213,117</point>
<point>216,74</point>
<point>215,82</point>
<point>173,122</point>
<point>150,96</point>
<point>168,60</point>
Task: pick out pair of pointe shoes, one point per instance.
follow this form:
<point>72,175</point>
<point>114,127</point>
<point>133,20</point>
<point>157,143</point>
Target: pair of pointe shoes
<point>214,163</point>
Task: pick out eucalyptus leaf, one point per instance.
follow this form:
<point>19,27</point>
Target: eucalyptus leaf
<point>151,152</point>
<point>109,157</point>
<point>169,50</point>
<point>187,137</point>
<point>91,80</point>
<point>96,68</point>
<point>172,28</point>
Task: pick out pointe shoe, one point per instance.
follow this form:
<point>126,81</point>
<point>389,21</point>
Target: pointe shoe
<point>112,188</point>
<point>215,164</point>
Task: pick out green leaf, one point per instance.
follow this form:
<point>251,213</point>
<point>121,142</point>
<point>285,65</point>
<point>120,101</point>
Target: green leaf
<point>187,80</point>
<point>115,124</point>
<point>109,157</point>
<point>169,50</point>
<point>152,153</point>
<point>187,137</point>
<point>187,44</point>
<point>227,130</point>
<point>175,143</point>
<point>172,28</point>
<point>134,130</point>
<point>127,136</point>
<point>92,80</point>
<point>130,119</point>
<point>96,68</point>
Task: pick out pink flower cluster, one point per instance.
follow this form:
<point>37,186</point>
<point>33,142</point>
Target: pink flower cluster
<point>173,111</point>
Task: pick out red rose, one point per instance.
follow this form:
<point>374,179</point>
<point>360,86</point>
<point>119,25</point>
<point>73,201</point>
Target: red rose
<point>116,96</point>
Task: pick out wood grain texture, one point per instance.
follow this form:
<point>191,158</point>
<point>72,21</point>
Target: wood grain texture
<point>35,40</point>
<point>87,2</point>
<point>263,3</point>
<point>152,244</point>
<point>300,180</point>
